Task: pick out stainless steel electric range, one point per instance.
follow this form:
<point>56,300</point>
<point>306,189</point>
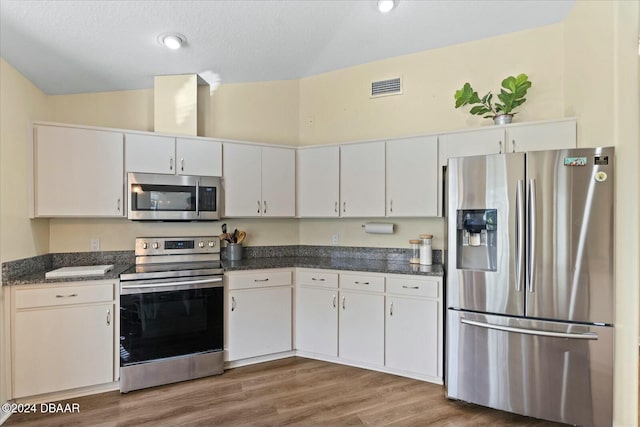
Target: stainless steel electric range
<point>171,312</point>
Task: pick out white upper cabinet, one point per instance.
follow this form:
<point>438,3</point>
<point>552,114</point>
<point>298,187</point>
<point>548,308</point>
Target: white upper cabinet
<point>258,181</point>
<point>168,155</point>
<point>362,179</point>
<point>199,157</point>
<point>471,143</point>
<point>318,181</point>
<point>519,137</point>
<point>412,177</point>
<point>77,172</point>
<point>542,136</point>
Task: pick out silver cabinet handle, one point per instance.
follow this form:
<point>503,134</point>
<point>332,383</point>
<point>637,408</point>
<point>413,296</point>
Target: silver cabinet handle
<point>513,145</point>
<point>261,280</point>
<point>233,304</point>
<point>108,316</point>
<point>335,207</point>
<point>519,255</point>
<point>410,287</point>
<point>259,206</point>
<point>532,233</point>
<point>318,280</point>
<point>500,147</point>
<point>118,204</point>
<point>67,296</point>
<point>391,206</point>
<point>361,283</point>
<point>343,298</point>
<point>334,300</point>
<point>170,163</point>
<point>585,336</point>
<point>391,309</point>
<point>344,206</point>
<point>182,164</point>
<point>265,207</point>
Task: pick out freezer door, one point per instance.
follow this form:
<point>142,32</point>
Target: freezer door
<point>570,230</point>
<point>485,233</point>
<point>551,370</point>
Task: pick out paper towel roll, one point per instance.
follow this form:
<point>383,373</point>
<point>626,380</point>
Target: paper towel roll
<point>378,228</point>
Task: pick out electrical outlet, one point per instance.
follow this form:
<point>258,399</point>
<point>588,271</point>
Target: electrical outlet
<point>335,239</point>
<point>95,244</point>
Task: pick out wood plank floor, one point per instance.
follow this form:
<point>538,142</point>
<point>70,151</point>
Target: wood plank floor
<point>293,391</point>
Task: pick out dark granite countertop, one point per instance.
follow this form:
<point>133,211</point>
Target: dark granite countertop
<point>375,260</point>
<point>351,264</point>
<point>38,277</point>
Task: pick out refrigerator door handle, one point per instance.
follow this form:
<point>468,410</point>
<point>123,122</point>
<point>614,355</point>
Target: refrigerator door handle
<point>532,233</point>
<point>519,233</point>
<point>584,336</point>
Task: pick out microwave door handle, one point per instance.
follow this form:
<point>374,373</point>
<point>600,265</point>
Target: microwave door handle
<point>198,197</point>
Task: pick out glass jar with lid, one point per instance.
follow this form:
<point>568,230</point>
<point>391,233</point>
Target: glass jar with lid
<point>415,251</point>
<point>425,249</point>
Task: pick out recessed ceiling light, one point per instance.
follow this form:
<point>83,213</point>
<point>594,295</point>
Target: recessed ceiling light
<point>385,6</point>
<point>172,41</point>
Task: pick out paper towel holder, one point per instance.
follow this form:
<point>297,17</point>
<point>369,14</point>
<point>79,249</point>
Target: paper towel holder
<point>379,227</point>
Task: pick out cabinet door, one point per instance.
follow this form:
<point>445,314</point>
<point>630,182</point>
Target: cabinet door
<point>259,322</point>
<point>412,177</point>
<point>317,320</point>
<point>242,171</point>
<point>542,136</point>
<point>78,172</point>
<point>63,348</point>
<point>361,327</point>
<point>362,179</point>
<point>411,335</point>
<point>150,153</point>
<point>318,182</point>
<point>473,143</point>
<point>199,157</point>
<point>278,182</point>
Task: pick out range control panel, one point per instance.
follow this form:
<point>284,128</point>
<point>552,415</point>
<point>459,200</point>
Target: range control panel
<point>177,245</point>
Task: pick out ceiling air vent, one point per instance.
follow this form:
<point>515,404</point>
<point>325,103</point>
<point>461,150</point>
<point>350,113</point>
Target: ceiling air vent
<point>386,87</point>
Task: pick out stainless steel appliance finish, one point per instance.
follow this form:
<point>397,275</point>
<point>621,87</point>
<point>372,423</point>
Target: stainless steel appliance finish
<point>171,312</point>
<point>158,197</point>
<point>530,287</point>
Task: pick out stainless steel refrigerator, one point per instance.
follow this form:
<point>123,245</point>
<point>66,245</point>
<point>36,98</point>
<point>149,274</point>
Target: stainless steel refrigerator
<point>530,284</point>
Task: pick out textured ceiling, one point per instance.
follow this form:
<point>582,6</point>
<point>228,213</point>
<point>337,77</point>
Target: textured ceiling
<point>88,46</point>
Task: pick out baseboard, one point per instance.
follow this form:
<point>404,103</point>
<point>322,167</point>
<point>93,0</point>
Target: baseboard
<point>69,394</point>
<point>4,416</point>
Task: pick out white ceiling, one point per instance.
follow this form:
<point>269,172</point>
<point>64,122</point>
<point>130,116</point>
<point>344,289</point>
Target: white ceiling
<point>89,46</point>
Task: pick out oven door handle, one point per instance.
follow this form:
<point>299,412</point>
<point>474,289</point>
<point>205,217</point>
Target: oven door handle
<point>170,286</point>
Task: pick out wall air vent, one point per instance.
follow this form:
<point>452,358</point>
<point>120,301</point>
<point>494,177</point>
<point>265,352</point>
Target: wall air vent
<point>386,87</point>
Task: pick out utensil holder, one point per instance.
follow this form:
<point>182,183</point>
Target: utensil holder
<point>234,251</point>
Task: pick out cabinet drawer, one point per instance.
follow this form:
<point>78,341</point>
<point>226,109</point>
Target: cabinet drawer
<point>317,278</point>
<point>417,287</point>
<point>62,295</point>
<point>260,279</point>
<point>361,282</point>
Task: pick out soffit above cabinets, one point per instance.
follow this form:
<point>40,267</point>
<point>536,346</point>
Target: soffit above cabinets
<point>68,47</point>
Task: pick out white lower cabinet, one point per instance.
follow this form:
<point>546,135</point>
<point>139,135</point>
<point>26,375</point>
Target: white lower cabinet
<point>389,322</point>
<point>361,327</point>
<point>63,337</point>
<point>317,320</point>
<point>258,314</point>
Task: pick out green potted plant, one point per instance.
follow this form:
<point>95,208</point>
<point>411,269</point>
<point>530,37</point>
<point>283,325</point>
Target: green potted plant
<point>512,95</point>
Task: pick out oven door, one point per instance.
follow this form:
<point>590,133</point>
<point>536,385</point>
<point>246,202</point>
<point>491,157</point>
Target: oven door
<point>156,197</point>
<point>169,318</point>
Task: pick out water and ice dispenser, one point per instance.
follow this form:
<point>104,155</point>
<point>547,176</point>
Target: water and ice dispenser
<point>477,239</point>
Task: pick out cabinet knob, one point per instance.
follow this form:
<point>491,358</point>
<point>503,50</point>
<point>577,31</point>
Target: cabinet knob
<point>108,317</point>
<point>391,309</point>
<point>500,147</point>
<point>391,206</point>
<point>513,145</point>
<point>182,164</point>
<point>233,304</point>
<point>259,206</point>
<point>170,163</point>
<point>344,206</point>
<point>343,305</point>
<point>334,300</point>
<point>118,204</point>
<point>265,206</point>
<point>335,207</point>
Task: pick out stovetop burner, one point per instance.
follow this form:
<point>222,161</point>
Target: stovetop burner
<point>174,257</point>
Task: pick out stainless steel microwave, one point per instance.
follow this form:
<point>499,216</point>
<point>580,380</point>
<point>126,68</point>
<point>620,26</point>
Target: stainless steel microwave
<point>157,197</point>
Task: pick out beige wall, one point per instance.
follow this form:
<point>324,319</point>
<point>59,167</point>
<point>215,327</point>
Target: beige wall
<point>20,102</point>
<point>601,79</point>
